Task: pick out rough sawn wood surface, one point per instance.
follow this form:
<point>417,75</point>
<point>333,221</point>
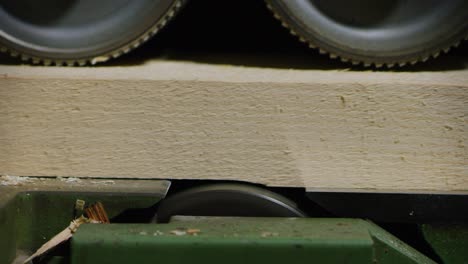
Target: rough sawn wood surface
<point>327,130</point>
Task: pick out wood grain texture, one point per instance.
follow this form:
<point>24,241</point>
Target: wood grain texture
<point>317,129</point>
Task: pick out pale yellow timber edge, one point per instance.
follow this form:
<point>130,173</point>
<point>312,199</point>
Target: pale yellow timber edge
<point>376,131</point>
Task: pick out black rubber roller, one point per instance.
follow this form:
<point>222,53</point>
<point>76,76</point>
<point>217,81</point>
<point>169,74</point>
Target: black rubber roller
<point>80,31</point>
<point>228,199</point>
<point>384,32</point>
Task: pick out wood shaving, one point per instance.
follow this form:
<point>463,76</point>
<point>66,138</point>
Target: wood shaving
<point>14,180</point>
<point>193,232</point>
<point>96,214</point>
<point>61,237</point>
<point>178,232</point>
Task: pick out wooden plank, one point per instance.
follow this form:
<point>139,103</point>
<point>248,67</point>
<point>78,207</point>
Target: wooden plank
<point>374,131</point>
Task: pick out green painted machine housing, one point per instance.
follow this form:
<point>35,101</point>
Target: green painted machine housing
<point>31,214</point>
<point>233,240</point>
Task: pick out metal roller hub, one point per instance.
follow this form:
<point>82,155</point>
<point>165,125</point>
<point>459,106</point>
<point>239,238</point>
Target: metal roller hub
<point>387,32</point>
<point>227,200</point>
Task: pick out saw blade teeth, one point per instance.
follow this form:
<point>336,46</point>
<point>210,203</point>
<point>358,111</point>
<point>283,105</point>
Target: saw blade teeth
<point>117,54</point>
<point>156,30</point>
<point>176,6</point>
<point>126,50</point>
<point>99,59</point>
<point>346,60</point>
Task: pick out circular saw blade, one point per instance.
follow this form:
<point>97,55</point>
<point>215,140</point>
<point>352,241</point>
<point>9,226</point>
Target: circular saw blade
<point>80,32</point>
<point>376,33</point>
